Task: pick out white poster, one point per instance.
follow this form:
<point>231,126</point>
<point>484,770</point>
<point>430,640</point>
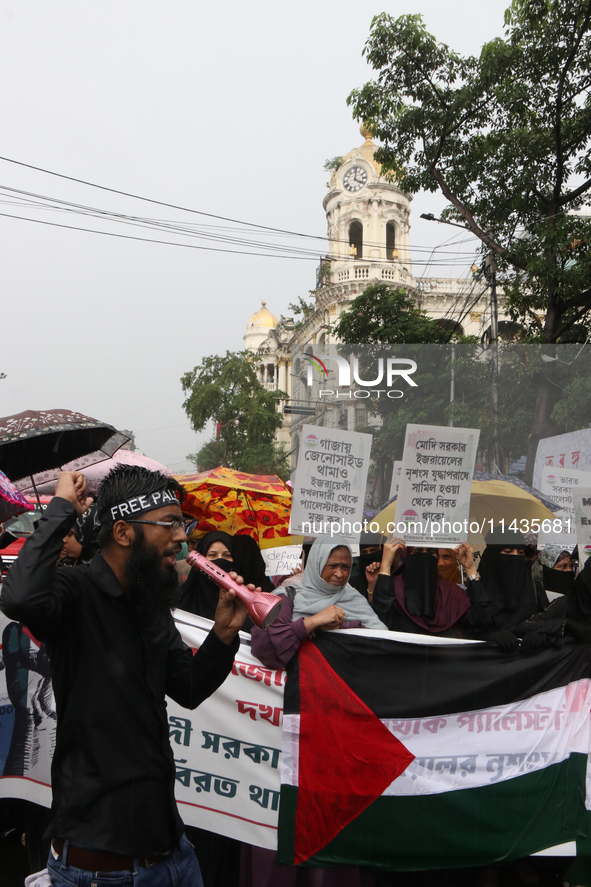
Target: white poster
<point>282,561</point>
<point>433,505</point>
<point>582,505</point>
<point>330,481</point>
<point>395,483</point>
<point>559,485</point>
<point>565,452</point>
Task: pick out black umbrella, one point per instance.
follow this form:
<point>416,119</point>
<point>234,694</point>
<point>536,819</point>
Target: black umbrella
<point>34,445</point>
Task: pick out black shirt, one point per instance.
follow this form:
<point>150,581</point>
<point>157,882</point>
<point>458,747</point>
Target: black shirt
<point>113,770</point>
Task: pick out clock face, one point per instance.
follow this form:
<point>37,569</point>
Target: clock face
<point>355,179</point>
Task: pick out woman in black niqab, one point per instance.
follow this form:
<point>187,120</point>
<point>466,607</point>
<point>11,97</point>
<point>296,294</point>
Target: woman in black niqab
<point>420,583</point>
<point>247,555</point>
<point>557,568</point>
<point>507,580</point>
<point>566,616</point>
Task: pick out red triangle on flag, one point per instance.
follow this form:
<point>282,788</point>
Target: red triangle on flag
<point>347,757</point>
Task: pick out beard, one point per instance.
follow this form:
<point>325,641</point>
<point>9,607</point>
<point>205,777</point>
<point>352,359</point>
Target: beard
<point>152,587</point>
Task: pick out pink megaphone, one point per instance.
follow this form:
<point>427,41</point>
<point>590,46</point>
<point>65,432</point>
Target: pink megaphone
<point>262,608</point>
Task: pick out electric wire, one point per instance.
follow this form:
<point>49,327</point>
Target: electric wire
<point>276,231</point>
<point>160,202</point>
<point>259,254</point>
<point>33,200</point>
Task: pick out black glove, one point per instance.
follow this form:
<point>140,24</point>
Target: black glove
<point>505,639</point>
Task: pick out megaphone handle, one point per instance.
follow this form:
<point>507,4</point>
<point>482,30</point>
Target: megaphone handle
<point>214,572</point>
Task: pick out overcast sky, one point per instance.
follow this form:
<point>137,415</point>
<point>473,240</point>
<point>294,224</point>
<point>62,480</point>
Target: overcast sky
<point>229,108</point>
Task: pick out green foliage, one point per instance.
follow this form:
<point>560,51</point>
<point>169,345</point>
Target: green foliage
<point>302,307</point>
<point>324,273</point>
<point>521,367</point>
<point>226,390</point>
<point>506,138</point>
<point>211,455</point>
<point>382,315</point>
<point>306,309</point>
<point>331,165</point>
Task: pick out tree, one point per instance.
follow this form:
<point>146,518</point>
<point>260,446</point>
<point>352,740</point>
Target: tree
<point>306,309</point>
<point>211,455</point>
<point>382,315</point>
<point>331,165</point>
<point>227,391</point>
<point>506,138</point>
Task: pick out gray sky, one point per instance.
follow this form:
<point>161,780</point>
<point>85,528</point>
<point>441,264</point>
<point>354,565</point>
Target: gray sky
<point>228,108</point>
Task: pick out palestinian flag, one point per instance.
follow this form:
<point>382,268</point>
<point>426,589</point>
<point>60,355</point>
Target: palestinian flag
<point>409,756</point>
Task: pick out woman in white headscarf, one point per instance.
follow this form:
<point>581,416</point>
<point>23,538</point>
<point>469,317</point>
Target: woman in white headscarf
<point>324,600</point>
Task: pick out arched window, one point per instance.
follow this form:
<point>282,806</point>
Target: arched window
<point>391,251</point>
<point>356,239</point>
<point>509,331</point>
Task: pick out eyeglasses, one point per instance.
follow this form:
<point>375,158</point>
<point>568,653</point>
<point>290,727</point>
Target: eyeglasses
<point>173,525</point>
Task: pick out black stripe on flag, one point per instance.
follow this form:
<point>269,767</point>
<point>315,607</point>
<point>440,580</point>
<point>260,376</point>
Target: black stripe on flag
<point>396,679</point>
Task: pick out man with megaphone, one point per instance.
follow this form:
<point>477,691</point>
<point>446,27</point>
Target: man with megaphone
<point>115,654</point>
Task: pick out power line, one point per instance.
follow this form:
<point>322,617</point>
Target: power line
<point>280,231</point>
<point>149,199</point>
<point>150,240</point>
<point>304,256</point>
<point>57,204</point>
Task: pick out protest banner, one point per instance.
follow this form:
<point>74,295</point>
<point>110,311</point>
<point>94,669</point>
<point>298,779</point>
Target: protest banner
<point>330,480</point>
<point>582,507</point>
<point>433,505</point>
<point>558,485</point>
<point>229,753</point>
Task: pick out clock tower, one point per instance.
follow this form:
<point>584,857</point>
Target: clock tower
<point>368,225</point>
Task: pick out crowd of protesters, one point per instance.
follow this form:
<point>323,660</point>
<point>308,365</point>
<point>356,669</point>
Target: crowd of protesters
<point>117,578</point>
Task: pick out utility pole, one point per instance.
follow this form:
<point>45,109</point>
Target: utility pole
<point>491,275</point>
<point>452,385</point>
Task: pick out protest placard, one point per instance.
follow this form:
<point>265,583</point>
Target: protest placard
<point>433,505</point>
<point>563,452</point>
<point>228,753</point>
<point>330,480</point>
<point>282,561</point>
<point>558,484</point>
<point>582,507</point>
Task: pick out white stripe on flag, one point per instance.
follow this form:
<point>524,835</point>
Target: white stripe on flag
<point>478,748</point>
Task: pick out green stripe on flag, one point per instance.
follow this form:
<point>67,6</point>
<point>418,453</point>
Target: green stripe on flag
<point>472,827</point>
